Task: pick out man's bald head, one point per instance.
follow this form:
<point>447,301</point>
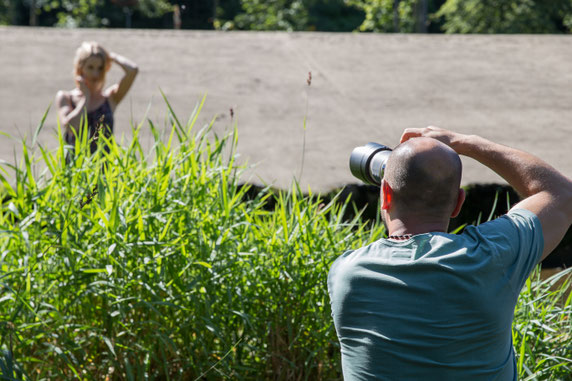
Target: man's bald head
<point>425,176</point>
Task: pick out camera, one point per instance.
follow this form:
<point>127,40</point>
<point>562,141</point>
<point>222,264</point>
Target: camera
<point>367,162</point>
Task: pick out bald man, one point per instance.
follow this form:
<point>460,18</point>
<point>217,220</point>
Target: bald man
<point>427,305</point>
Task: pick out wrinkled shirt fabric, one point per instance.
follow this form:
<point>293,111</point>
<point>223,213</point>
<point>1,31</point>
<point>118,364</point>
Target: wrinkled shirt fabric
<point>437,306</point>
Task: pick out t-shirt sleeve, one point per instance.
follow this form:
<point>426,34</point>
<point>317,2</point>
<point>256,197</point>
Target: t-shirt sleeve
<point>334,282</point>
<point>517,241</point>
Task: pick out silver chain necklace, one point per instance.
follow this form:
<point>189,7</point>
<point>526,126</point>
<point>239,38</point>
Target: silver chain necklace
<point>400,237</point>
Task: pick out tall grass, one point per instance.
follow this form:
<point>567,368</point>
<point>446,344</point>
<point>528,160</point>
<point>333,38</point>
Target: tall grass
<point>134,265</point>
<point>143,265</point>
<point>542,329</point>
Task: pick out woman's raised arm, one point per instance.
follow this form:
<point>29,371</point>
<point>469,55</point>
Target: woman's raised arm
<point>117,92</point>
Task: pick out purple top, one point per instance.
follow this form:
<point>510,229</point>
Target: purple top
<point>98,120</point>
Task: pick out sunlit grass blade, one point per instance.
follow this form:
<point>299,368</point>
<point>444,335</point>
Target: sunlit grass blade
<point>40,126</point>
<point>134,264</point>
<point>181,133</point>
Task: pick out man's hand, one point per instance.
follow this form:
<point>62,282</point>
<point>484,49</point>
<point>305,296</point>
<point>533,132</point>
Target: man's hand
<point>450,138</point>
<point>546,192</point>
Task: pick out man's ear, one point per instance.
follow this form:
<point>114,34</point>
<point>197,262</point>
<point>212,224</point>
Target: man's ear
<point>386,195</point>
<point>459,204</point>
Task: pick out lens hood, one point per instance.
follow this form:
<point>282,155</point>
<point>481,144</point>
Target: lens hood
<point>366,166</point>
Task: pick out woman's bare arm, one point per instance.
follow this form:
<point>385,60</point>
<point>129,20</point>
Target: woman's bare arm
<point>69,115</point>
<point>118,91</point>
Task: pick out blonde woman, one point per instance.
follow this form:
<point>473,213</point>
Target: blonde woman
<point>89,98</point>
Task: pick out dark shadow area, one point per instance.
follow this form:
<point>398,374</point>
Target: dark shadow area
<point>483,202</point>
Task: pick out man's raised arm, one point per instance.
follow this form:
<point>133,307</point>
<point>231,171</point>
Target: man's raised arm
<point>546,192</point>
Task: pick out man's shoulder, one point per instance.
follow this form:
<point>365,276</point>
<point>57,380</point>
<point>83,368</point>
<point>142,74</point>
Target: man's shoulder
<point>346,255</point>
<point>512,225</point>
<point>514,239</point>
<point>348,258</point>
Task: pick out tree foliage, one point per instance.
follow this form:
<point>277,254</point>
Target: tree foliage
<point>80,13</point>
<point>72,13</point>
<point>502,16</point>
<point>272,15</point>
<point>4,12</point>
<point>387,15</point>
<point>14,12</point>
<point>290,15</point>
<point>403,16</point>
<point>333,15</point>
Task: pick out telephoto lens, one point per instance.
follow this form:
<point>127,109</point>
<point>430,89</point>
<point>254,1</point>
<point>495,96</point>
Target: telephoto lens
<point>367,163</point>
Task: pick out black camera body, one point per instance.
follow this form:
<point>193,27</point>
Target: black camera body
<point>367,163</point>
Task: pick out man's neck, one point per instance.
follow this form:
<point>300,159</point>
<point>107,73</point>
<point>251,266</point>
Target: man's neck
<point>399,227</point>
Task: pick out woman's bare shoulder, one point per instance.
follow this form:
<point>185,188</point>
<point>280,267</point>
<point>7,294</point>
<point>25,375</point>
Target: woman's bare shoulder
<point>67,96</point>
<point>63,97</point>
<point>63,94</point>
<point>110,90</point>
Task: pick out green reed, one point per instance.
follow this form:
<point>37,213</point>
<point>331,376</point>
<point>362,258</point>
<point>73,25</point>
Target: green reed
<point>134,264</point>
<point>141,265</point>
<point>542,331</point>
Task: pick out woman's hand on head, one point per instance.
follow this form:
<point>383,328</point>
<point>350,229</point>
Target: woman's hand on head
<point>118,91</point>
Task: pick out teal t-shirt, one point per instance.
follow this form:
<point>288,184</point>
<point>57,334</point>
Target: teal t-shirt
<point>437,306</point>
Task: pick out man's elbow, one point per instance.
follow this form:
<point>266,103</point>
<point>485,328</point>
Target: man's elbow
<point>567,201</point>
<point>563,197</point>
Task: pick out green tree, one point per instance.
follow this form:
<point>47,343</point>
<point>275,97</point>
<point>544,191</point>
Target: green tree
<point>502,16</point>
<point>17,12</point>
<point>400,16</point>
<point>333,15</point>
<point>93,13</point>
<point>387,15</point>
<point>134,13</point>
<point>4,12</point>
<point>74,13</point>
<point>290,15</point>
<point>270,15</point>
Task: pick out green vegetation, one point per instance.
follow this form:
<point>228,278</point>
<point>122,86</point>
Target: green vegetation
<point>501,16</point>
<point>542,328</point>
<point>269,15</point>
<point>291,15</point>
<point>387,15</point>
<point>135,263</point>
<point>403,16</point>
<point>153,265</point>
<point>85,13</point>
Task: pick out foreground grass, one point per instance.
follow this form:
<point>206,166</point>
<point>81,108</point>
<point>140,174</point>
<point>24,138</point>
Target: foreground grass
<point>542,328</point>
<point>135,265</point>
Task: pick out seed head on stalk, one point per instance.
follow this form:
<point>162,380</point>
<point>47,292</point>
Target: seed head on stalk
<point>98,129</point>
<point>309,82</point>
<point>89,197</point>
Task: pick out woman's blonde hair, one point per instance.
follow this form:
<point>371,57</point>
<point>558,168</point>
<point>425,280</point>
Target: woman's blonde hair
<point>89,49</point>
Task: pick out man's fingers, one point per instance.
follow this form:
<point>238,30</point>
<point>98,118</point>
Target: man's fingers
<point>430,132</point>
<point>410,133</point>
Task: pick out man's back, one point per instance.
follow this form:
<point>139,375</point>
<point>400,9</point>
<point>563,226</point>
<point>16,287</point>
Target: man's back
<point>436,306</point>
